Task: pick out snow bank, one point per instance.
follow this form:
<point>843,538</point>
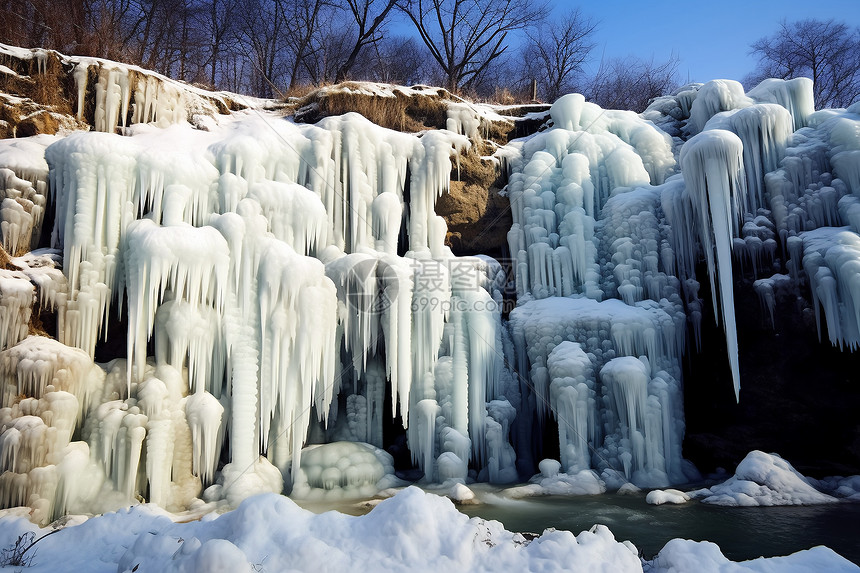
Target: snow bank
<point>763,480</point>
<point>684,555</point>
<point>411,532</point>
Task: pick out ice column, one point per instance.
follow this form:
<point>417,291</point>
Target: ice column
<point>712,164</point>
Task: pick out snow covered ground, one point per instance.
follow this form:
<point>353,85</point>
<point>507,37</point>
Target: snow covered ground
<point>413,531</point>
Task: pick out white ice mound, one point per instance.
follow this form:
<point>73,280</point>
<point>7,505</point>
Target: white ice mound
<point>670,496</point>
<point>584,482</point>
<point>680,555</point>
<point>762,480</point>
<point>341,470</point>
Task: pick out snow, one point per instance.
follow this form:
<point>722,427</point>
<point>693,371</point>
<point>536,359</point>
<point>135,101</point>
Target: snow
<point>671,496</point>
<point>763,480</point>
<point>685,555</point>
<point>413,531</point>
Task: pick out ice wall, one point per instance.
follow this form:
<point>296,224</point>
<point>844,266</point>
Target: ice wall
<point>281,286</point>
<point>603,233</point>
<point>265,305</point>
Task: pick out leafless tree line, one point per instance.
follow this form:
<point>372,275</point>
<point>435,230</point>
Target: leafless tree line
<point>828,52</point>
<point>267,47</point>
<point>261,47</point>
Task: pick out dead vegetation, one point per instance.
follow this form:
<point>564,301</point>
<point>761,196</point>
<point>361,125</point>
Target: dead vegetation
<point>409,112</point>
<point>38,99</point>
<point>478,217</point>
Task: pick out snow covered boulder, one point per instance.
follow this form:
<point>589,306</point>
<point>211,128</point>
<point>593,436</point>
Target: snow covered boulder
<point>670,496</point>
<point>681,555</point>
<point>763,480</point>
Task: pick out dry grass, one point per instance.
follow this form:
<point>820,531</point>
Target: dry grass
<point>35,326</point>
<point>478,217</point>
<point>409,113</point>
<point>46,85</point>
<point>6,260</point>
<point>475,171</point>
<point>47,92</point>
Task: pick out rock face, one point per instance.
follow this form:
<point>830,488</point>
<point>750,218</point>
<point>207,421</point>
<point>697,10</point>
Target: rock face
<point>43,91</point>
<point>477,213</point>
<point>799,396</point>
<point>35,93</point>
<point>478,219</point>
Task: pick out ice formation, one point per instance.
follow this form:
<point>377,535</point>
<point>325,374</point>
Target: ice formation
<point>245,261</point>
<point>763,479</point>
<point>281,288</point>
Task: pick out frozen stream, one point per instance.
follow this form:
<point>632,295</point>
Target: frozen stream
<point>741,533</point>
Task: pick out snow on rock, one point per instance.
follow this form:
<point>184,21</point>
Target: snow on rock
<point>763,480</point>
<point>462,495</point>
<point>671,496</point>
<point>680,555</point>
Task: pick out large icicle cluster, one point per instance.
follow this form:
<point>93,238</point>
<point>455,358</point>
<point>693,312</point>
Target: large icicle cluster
<point>281,287</point>
<point>589,226</point>
<point>594,230</point>
<point>728,195</point>
<point>261,262</point>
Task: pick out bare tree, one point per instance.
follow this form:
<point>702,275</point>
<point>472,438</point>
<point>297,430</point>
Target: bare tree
<point>369,17</point>
<point>631,83</point>
<point>261,42</point>
<point>394,59</point>
<point>218,22</point>
<point>328,50</point>
<point>302,23</point>
<point>826,51</point>
<point>555,52</point>
<point>466,36</point>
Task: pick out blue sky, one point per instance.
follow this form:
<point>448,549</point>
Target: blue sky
<point>712,39</point>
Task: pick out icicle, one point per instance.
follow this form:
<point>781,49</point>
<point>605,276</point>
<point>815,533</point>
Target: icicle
<point>713,169</point>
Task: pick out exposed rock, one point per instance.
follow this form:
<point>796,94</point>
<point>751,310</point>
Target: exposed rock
<point>478,216</point>
<point>43,91</point>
